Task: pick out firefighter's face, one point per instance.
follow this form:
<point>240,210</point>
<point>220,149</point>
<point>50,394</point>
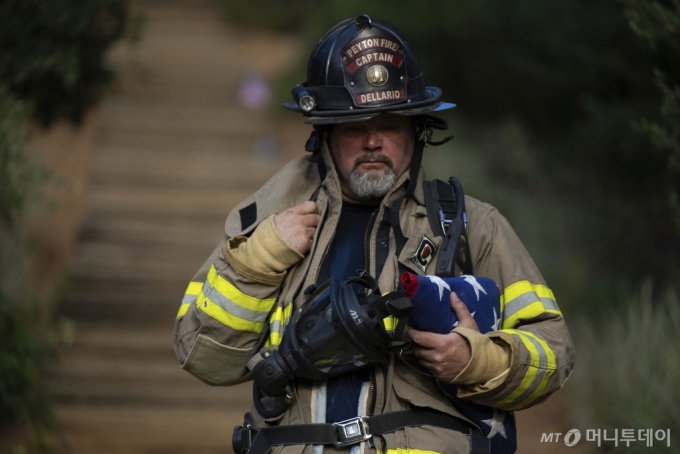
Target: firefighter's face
<point>371,155</point>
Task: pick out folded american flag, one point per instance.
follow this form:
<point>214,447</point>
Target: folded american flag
<point>432,312</point>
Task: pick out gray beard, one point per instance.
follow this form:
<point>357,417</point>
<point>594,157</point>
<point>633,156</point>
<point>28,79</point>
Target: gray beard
<point>370,187</point>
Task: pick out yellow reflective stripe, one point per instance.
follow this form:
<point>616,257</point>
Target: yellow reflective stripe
<point>194,288</point>
<point>190,295</point>
<point>183,310</point>
<point>408,451</point>
<point>228,290</point>
<point>524,301</point>
<point>225,303</point>
<point>226,318</point>
<point>390,322</point>
<point>552,360</point>
<point>542,365</point>
<point>544,292</point>
<point>277,324</point>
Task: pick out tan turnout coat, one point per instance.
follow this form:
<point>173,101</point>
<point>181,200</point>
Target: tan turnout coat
<point>224,312</point>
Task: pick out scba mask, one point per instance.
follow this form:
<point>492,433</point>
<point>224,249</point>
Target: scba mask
<point>338,329</point>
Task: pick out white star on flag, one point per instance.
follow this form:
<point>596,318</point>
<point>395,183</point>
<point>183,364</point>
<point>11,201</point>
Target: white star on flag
<point>496,423</point>
<point>475,285</point>
<point>496,321</point>
<point>441,283</point>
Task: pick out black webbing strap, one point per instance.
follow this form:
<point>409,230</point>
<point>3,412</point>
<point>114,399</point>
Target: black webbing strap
<point>399,238</point>
<point>447,200</point>
<point>445,207</point>
<point>298,434</point>
<point>432,207</point>
<point>382,243</point>
<point>439,196</point>
<point>324,434</point>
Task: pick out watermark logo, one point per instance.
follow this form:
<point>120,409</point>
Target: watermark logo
<point>614,437</point>
<point>570,438</point>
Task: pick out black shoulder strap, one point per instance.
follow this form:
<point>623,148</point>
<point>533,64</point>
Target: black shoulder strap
<point>445,205</point>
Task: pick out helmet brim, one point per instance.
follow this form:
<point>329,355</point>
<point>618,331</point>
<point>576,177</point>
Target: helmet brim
<point>422,107</point>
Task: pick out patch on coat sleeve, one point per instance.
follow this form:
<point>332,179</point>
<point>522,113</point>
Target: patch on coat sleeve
<point>248,215</point>
<point>423,255</point>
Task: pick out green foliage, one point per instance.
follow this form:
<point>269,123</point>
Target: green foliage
<point>629,364</point>
<point>24,353</point>
<point>654,20</point>
<point>25,346</point>
<point>51,66</point>
<point>659,23</point>
<point>17,175</point>
<point>52,53</point>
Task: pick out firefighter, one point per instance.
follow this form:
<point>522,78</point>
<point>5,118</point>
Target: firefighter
<point>360,201</point>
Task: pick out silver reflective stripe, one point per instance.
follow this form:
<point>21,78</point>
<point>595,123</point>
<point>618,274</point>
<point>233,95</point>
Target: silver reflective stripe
<point>550,304</point>
<point>363,399</point>
<point>542,355</point>
<point>188,299</point>
<point>275,327</point>
<point>362,410</point>
<point>234,309</point>
<point>525,299</point>
<point>543,362</point>
<point>319,405</point>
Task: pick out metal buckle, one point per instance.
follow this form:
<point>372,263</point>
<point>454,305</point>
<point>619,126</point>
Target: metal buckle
<point>352,431</point>
<point>445,222</point>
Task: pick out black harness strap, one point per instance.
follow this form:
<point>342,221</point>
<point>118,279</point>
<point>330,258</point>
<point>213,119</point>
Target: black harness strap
<point>383,243</point>
<point>445,207</point>
<point>432,207</point>
<point>447,199</point>
<point>324,434</point>
<point>399,237</point>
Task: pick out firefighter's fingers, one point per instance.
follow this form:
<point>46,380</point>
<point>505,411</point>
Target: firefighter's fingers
<point>297,225</point>
<point>462,313</point>
<point>307,207</point>
<point>311,220</point>
<point>448,359</point>
<point>424,339</point>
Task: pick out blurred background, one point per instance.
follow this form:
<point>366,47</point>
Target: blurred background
<point>129,129</point>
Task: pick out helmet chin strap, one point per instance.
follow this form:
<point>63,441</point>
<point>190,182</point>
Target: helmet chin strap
<point>313,145</point>
<point>416,161</point>
<point>424,129</point>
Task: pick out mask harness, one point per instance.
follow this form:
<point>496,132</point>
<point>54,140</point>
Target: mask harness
<point>338,329</point>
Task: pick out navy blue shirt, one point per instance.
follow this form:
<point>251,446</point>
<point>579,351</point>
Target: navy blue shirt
<point>346,256</point>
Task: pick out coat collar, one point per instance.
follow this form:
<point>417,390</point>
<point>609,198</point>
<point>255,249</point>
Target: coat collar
<point>295,183</point>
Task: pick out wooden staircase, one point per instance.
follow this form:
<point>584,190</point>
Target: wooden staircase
<point>173,156</point>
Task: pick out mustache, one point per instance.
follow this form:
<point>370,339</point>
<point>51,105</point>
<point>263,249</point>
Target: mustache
<point>373,157</point>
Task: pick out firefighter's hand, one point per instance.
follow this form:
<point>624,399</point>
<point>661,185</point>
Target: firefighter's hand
<point>445,355</point>
<point>297,225</point>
